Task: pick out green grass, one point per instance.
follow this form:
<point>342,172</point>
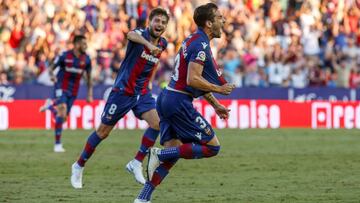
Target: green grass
<point>289,165</point>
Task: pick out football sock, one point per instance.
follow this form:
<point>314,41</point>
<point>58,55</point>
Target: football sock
<point>146,192</point>
<point>188,151</point>
<point>58,129</point>
<point>92,142</point>
<point>162,171</point>
<point>148,140</point>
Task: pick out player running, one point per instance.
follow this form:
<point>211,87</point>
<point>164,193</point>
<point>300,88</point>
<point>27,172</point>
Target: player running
<point>184,132</point>
<point>131,92</point>
<point>73,64</point>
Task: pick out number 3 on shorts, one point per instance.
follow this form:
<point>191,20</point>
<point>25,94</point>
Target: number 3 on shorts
<point>201,122</point>
<point>112,109</point>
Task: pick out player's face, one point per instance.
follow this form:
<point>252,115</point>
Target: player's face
<point>81,46</point>
<point>217,25</point>
<point>158,25</point>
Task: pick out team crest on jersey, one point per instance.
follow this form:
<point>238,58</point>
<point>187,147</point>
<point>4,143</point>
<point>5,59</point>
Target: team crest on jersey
<point>201,56</point>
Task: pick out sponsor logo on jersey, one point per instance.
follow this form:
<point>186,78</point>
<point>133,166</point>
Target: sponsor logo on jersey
<point>73,70</point>
<point>149,57</point>
<point>201,56</point>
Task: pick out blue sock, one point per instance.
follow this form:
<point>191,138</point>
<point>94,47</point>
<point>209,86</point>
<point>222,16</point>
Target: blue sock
<point>90,146</point>
<point>146,192</point>
<point>58,129</point>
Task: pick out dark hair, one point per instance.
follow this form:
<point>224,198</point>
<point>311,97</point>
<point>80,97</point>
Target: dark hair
<point>204,13</point>
<point>158,11</point>
<point>78,38</point>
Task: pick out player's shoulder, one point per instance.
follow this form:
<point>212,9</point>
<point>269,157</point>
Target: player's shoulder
<point>62,55</point>
<point>139,30</point>
<point>66,52</point>
<point>198,42</point>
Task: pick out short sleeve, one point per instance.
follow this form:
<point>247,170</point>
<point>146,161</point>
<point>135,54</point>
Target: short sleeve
<point>140,31</point>
<point>198,55</point>
<point>60,60</point>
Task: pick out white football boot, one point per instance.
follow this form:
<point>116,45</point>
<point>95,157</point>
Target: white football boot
<point>141,201</point>
<point>76,175</point>
<point>46,105</point>
<point>59,148</point>
<point>135,167</point>
<point>153,162</point>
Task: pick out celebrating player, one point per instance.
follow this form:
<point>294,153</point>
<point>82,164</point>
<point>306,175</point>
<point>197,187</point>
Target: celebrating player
<point>131,92</point>
<point>73,64</point>
<point>184,132</point>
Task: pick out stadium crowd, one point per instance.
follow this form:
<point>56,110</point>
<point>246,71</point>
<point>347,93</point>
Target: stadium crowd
<point>295,43</point>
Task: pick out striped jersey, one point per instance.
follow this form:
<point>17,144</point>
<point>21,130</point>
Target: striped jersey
<point>138,66</point>
<point>195,48</point>
<point>71,71</point>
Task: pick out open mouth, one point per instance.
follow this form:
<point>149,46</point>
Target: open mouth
<point>158,30</point>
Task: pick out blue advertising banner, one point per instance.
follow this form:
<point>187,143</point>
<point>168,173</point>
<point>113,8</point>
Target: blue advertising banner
<point>322,93</point>
<point>8,93</point>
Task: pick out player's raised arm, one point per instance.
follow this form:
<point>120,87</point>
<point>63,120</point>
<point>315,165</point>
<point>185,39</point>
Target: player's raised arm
<point>55,63</point>
<point>195,80</point>
<point>137,38</point>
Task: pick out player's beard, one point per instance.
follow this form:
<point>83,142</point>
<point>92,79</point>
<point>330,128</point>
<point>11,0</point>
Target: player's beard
<point>81,50</point>
<point>152,33</point>
<point>217,31</point>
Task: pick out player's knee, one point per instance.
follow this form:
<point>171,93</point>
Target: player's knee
<point>102,133</point>
<point>214,150</point>
<point>154,125</point>
<point>61,110</point>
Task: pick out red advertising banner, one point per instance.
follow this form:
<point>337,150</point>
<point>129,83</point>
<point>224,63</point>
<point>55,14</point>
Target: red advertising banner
<point>244,114</point>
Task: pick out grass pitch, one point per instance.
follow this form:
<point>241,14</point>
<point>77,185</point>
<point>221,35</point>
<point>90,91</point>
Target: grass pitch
<point>288,165</point>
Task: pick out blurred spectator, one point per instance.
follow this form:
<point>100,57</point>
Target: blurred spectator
<point>265,43</point>
<point>231,63</point>
<point>4,79</point>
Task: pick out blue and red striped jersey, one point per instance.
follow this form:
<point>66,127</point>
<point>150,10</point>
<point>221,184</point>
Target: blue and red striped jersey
<point>138,66</point>
<point>195,48</point>
<point>71,70</point>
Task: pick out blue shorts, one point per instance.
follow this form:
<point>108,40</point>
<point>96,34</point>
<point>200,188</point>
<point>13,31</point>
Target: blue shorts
<point>180,120</point>
<point>118,105</point>
<point>64,97</point>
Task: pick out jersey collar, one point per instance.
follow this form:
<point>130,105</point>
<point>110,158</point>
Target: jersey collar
<point>203,34</point>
